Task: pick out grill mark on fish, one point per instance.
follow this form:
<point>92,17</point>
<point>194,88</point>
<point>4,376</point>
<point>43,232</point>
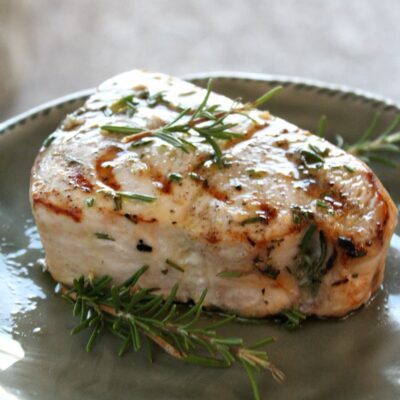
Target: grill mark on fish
<point>350,248</point>
<point>250,240</point>
<point>165,185</point>
<point>268,212</point>
<point>81,181</point>
<point>75,213</point>
<point>212,237</point>
<point>217,194</point>
<point>106,173</point>
<point>212,190</point>
<point>247,136</point>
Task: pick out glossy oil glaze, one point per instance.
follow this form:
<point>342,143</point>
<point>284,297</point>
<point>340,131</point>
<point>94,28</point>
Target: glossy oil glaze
<point>19,292</point>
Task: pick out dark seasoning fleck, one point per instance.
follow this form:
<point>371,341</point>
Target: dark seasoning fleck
<point>142,246</point>
<point>270,271</point>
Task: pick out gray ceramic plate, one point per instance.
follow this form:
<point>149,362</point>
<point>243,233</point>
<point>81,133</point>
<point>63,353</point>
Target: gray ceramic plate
<point>355,358</point>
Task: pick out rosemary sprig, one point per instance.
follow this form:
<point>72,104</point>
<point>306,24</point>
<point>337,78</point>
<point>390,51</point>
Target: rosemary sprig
<point>370,149</point>
<point>373,146</point>
<point>138,316</point>
<point>208,122</point>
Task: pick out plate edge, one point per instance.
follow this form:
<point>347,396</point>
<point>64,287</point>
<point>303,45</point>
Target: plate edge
<point>287,81</point>
<point>299,83</point>
<point>43,108</point>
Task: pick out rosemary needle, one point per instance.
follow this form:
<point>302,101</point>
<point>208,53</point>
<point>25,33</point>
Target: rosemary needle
<point>321,126</point>
<point>266,97</point>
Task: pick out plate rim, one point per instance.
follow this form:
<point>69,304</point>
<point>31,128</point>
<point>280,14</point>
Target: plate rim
<point>41,111</point>
<point>295,82</point>
<point>300,83</point>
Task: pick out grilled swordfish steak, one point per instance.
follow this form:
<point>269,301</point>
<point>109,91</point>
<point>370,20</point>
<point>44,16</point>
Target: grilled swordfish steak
<point>209,193</point>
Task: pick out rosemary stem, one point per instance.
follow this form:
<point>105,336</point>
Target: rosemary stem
<point>373,145</point>
<point>136,136</point>
<point>112,311</point>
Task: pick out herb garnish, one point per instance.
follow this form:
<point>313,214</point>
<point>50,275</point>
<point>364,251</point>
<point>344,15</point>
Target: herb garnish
<point>348,169</point>
<point>254,220</point>
<point>136,196</point>
<point>175,177</point>
<point>294,318</point>
<point>372,146</point>
<point>126,103</point>
<point>47,142</point>
<point>104,236</point>
<point>265,97</point>
<point>125,130</point>
<point>117,202</point>
<point>229,274</point>
<point>196,177</point>
<point>207,122</point>
<point>368,149</point>
<point>301,214</point>
<point>155,99</point>
<point>311,159</point>
<point>321,203</point>
<point>325,206</point>
<point>321,126</point>
<point>141,143</point>
<point>119,195</point>
<point>306,241</point>
<point>139,317</point>
<point>310,265</point>
<point>190,93</point>
<point>174,265</point>
<point>256,173</point>
<point>90,202</point>
<point>317,150</point>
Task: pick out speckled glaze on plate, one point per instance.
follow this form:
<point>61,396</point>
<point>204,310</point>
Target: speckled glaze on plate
<point>354,358</point>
